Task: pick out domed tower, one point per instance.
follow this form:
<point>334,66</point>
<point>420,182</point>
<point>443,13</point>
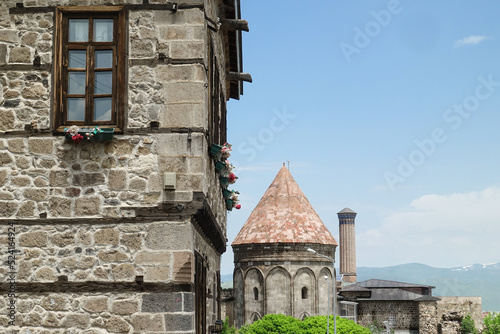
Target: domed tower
<point>347,239</point>
<point>274,272</point>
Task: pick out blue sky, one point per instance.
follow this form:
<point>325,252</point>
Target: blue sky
<point>390,108</point>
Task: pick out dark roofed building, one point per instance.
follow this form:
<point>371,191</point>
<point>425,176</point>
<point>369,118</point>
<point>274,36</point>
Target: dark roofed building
<point>404,306</point>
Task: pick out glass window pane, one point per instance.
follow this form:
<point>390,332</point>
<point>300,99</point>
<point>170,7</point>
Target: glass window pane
<point>78,30</point>
<point>103,30</point>
<point>103,82</point>
<point>102,109</point>
<point>77,59</point>
<point>76,109</point>
<point>104,59</point>
<point>76,83</point>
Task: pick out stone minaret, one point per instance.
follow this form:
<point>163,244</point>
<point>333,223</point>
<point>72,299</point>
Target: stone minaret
<point>347,241</point>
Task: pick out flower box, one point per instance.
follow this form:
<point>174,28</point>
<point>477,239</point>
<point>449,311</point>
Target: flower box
<point>229,205</point>
<point>215,151</point>
<point>226,193</point>
<point>89,134</point>
<point>220,167</point>
<point>224,181</point>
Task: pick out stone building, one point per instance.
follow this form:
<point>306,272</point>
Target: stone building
<point>274,272</point>
<point>118,229</point>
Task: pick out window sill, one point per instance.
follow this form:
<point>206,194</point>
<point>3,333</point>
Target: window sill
<point>94,134</point>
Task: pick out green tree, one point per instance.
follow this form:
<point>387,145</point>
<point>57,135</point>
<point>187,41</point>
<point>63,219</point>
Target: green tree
<point>467,326</point>
<point>226,328</point>
<point>281,324</point>
<point>491,323</point>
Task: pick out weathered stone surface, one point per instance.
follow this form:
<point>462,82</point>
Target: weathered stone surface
<point>89,179</point>
<point>107,236</point>
<point>5,159</point>
<point>51,320</point>
<point>3,59</point>
<point>35,91</point>
<point>16,145</point>
<point>87,206</point>
<point>33,239</point>
<point>55,303</point>
<point>96,304</point>
<point>112,256</point>
<point>137,184</point>
<point>147,322</point>
<point>142,48</point>
<point>59,206</point>
<point>35,194</point>
<point>162,302</point>
<point>157,274</point>
<point>63,239</point>
<point>144,257</point>
<point>20,55</point>
<point>125,307</point>
<point>40,146</point>
<point>27,209</point>
<point>132,241</point>
<point>77,320</point>
<point>117,180</point>
<point>183,267</point>
<point>21,181</point>
<point>123,272</point>
<point>6,120</point>
<point>171,236</point>
<point>10,36</point>
<point>45,274</point>
<point>117,325</point>
<point>3,175</point>
<point>119,147</point>
<point>179,322</point>
<point>23,162</point>
<point>7,209</point>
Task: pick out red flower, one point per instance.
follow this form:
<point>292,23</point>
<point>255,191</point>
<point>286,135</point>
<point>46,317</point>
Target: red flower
<point>77,138</point>
<point>232,178</point>
<point>238,206</point>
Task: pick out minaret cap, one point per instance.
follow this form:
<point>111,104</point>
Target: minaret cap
<point>346,210</point>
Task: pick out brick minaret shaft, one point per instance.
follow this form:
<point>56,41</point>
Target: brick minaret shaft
<point>347,240</point>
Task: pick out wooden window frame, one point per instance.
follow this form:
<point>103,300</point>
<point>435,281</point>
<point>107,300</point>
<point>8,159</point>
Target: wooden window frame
<point>61,47</point>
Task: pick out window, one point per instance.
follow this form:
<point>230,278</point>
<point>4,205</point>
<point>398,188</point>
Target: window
<point>304,293</point>
<point>89,67</point>
<point>255,294</point>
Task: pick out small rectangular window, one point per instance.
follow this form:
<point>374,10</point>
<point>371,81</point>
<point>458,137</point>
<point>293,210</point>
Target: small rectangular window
<point>89,67</point>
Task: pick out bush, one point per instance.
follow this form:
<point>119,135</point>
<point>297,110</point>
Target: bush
<point>491,323</point>
<point>281,324</point>
<point>467,326</point>
<point>226,329</point>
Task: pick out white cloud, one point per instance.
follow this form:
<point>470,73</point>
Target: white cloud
<point>438,230</point>
<point>473,39</point>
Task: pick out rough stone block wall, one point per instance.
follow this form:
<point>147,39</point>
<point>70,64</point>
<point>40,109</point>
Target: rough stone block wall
<point>453,309</point>
<point>401,314</point>
<point>98,252</point>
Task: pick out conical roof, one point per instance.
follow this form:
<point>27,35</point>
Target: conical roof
<point>284,215</point>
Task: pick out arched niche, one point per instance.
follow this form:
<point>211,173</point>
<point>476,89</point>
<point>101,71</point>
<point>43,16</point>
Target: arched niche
<point>254,294</point>
<point>278,299</point>
<point>325,291</point>
<point>304,293</point>
<point>239,297</point>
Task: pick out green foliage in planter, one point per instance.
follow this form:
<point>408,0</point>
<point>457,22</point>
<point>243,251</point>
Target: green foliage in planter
<point>281,324</point>
<point>467,326</point>
<point>491,323</point>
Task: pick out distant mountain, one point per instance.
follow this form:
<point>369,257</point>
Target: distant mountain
<point>475,280</point>
<point>481,280</point>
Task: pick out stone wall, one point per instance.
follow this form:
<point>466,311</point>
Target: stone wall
<point>451,311</point>
<point>103,248</point>
<point>402,315</point>
<point>98,312</point>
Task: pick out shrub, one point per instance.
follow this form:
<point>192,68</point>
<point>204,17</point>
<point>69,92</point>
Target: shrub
<point>491,323</point>
<point>281,324</point>
<point>467,326</point>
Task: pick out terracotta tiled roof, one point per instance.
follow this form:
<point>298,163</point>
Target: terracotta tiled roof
<point>284,215</point>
